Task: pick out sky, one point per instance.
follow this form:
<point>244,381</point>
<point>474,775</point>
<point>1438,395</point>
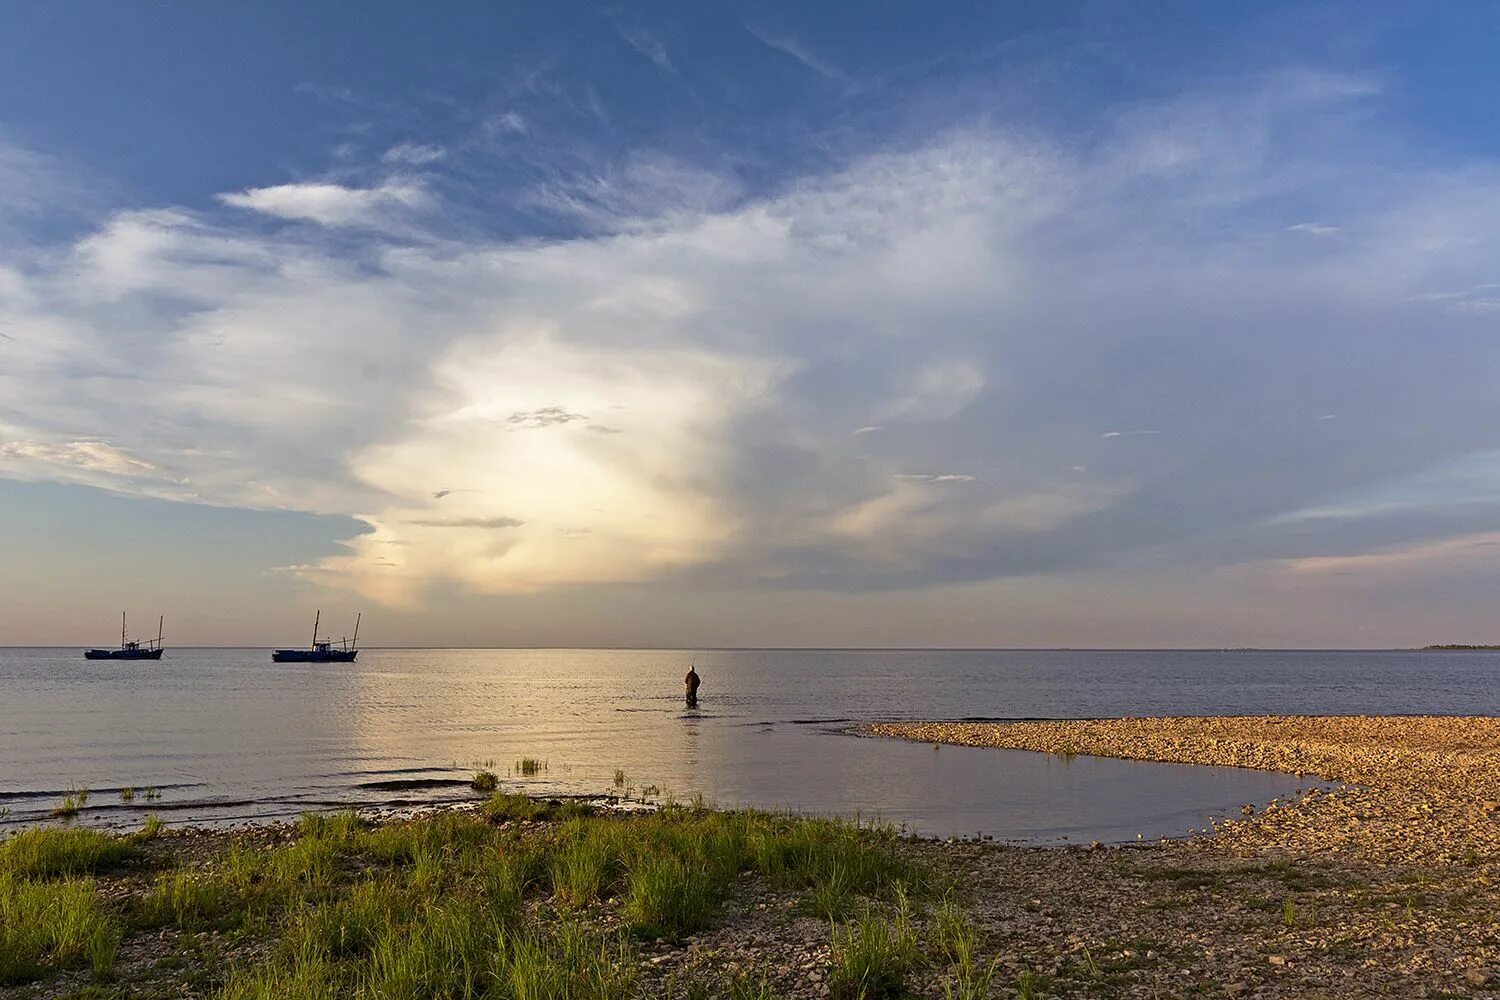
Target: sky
<point>952,324</point>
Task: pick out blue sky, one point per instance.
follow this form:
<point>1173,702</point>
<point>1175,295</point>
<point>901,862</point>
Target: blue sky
<point>967,324</point>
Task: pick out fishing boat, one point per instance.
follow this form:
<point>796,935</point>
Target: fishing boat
<point>322,650</point>
<point>130,649</point>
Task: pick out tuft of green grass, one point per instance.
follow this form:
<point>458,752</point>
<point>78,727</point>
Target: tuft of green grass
<point>127,795</point>
<point>47,926</point>
<point>500,807</point>
<point>1028,986</point>
<point>530,767</point>
<point>581,870</point>
<point>485,781</point>
<point>832,898</point>
<point>871,959</point>
<point>565,964</point>
<point>342,827</point>
<point>1288,912</point>
<point>152,826</point>
<point>666,897</point>
<point>47,852</point>
<point>67,808</point>
<point>619,778</point>
<point>953,935</point>
<point>955,938</point>
<point>191,900</point>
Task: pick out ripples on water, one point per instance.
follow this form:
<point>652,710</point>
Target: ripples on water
<point>226,735</point>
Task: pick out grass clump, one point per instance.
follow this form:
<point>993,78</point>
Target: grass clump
<point>152,827</point>
<point>955,938</point>
<point>484,781</point>
<point>666,897</point>
<point>568,963</point>
<point>582,869</point>
<point>872,958</point>
<point>192,901</point>
<point>46,926</point>
<point>44,853</point>
<point>530,767</point>
<point>341,827</point>
<point>500,807</point>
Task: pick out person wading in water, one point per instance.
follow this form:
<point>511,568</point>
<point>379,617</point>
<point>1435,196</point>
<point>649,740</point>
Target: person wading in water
<point>690,683</point>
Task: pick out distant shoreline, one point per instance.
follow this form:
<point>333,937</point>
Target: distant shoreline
<point>835,649</point>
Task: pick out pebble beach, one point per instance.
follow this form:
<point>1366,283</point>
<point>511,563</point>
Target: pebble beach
<point>1384,886</point>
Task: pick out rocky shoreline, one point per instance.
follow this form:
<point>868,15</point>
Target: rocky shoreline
<point>1385,886</point>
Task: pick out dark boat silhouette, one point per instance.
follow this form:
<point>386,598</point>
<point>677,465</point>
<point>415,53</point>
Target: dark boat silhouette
<point>322,650</point>
<point>130,649</point>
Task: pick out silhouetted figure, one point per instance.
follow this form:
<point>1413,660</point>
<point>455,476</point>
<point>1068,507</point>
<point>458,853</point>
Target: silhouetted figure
<point>690,684</point>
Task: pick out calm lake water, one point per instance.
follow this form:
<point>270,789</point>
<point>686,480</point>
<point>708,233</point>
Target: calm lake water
<point>228,736</point>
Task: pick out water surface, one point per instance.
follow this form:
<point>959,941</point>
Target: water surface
<point>227,736</point>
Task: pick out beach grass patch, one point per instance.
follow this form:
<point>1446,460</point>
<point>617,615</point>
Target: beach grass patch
<point>192,899</point>
<point>43,852</point>
<point>666,897</point>
<point>342,827</point>
<point>47,926</point>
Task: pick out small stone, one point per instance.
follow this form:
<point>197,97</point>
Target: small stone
<point>1476,977</point>
<point>1276,959</point>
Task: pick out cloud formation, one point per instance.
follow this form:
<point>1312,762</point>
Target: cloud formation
<point>334,204</point>
<point>667,392</point>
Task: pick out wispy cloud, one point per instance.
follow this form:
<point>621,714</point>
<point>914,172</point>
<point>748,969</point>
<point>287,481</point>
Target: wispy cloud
<point>546,416</point>
<point>487,523</point>
<point>648,43</point>
<point>330,204</point>
<point>414,153</point>
<point>1314,229</point>
<point>802,53</point>
<point>942,477</point>
<point>89,456</point>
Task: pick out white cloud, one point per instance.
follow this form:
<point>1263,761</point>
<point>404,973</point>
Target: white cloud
<point>940,477</point>
<point>330,204</point>
<point>672,390</point>
<point>22,457</point>
<point>414,153</point>
<point>1314,229</point>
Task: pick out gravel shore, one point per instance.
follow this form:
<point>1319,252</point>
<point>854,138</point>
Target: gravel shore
<point>1385,886</point>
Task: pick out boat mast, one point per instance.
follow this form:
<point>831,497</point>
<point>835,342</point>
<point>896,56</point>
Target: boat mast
<point>316,618</point>
<point>356,629</point>
<point>160,622</point>
<point>122,630</point>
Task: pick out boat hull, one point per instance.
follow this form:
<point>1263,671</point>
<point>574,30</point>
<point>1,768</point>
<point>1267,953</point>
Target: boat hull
<point>122,654</point>
<point>314,655</point>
